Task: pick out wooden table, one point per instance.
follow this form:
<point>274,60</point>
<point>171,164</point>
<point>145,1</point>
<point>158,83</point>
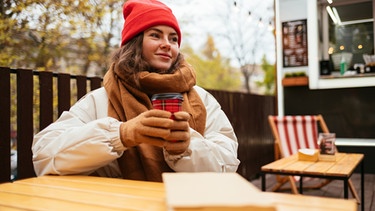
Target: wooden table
<point>341,169</point>
<point>81,193</point>
<point>97,193</point>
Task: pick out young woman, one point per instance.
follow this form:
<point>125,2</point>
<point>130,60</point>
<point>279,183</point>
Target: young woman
<point>115,132</point>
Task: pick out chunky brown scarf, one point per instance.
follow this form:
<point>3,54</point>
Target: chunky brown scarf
<point>127,99</point>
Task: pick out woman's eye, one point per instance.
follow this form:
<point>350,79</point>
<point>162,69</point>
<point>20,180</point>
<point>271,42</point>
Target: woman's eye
<point>154,35</point>
<point>174,39</point>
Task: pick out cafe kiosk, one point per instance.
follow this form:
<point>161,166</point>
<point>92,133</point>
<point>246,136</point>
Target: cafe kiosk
<point>310,50</point>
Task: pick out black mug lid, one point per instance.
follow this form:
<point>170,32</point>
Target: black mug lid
<point>169,95</point>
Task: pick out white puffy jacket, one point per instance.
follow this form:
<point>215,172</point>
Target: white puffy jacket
<point>85,140</point>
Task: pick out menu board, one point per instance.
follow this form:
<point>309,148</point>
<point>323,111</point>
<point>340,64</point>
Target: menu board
<point>295,43</point>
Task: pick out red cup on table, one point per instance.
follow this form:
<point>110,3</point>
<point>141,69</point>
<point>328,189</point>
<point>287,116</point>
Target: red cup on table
<point>167,101</point>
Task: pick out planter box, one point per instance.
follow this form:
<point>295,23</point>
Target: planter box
<point>295,81</point>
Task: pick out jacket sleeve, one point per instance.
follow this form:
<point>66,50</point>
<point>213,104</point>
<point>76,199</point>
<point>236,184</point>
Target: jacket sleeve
<point>78,142</point>
<point>216,151</point>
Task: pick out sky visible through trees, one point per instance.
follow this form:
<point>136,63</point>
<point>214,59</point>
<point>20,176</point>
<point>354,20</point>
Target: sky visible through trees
<point>78,37</point>
<point>216,17</point>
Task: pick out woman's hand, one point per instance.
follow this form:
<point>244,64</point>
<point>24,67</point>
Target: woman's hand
<point>155,127</point>
<point>179,139</point>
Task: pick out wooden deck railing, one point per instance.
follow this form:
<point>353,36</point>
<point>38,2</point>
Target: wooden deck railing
<point>26,89</point>
<point>36,108</point>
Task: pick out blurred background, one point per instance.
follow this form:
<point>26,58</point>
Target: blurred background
<point>230,43</point>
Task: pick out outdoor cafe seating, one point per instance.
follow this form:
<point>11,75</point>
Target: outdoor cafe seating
<point>294,132</point>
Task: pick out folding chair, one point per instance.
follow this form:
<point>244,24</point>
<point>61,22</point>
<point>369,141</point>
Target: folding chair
<point>296,132</point>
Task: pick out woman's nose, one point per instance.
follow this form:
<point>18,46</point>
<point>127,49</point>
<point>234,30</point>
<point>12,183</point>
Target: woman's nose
<point>165,43</point>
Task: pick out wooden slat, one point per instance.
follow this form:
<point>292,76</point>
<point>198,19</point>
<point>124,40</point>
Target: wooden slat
<point>25,127</point>
<point>63,92</point>
<point>95,82</point>
<point>40,203</point>
<point>81,86</point>
<point>280,164</point>
<point>46,99</point>
<point>320,167</point>
<point>10,209</point>
<point>5,125</point>
<point>345,166</point>
<point>93,181</point>
<point>298,167</point>
<point>73,182</point>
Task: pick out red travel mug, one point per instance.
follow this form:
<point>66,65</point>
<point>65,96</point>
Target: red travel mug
<point>167,101</point>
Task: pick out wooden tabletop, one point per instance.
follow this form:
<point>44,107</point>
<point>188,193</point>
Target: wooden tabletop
<point>97,193</point>
<point>81,193</point>
<point>343,166</point>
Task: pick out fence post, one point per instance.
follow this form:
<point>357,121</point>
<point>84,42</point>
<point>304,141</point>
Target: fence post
<point>63,92</point>
<point>45,99</point>
<point>5,124</point>
<point>25,88</point>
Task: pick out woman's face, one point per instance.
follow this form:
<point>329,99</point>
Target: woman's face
<point>160,47</point>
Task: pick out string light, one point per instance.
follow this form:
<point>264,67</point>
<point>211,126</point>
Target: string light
<point>270,26</point>
<point>260,24</point>
<point>330,50</point>
<point>250,17</point>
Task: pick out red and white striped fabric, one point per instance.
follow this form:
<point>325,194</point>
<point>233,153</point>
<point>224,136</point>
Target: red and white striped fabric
<point>296,132</point>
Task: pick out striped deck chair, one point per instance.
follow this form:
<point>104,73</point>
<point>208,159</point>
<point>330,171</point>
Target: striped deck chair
<point>292,133</point>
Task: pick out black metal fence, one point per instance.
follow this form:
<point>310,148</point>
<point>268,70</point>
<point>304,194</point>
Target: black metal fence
<point>27,105</point>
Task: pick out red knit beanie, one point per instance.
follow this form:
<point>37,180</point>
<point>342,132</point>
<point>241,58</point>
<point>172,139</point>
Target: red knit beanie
<point>140,15</point>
